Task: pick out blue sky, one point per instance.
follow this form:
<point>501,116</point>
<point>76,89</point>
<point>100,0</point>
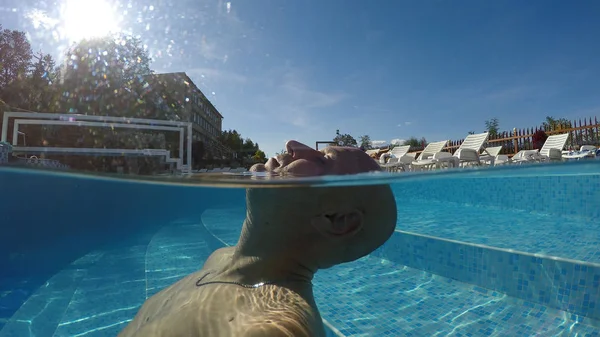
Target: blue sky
<point>280,70</point>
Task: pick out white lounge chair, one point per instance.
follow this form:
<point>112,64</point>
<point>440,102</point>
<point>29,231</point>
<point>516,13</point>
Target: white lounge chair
<point>390,165</point>
<point>400,151</point>
<point>586,151</point>
<point>397,159</point>
<point>468,151</point>
<point>491,156</point>
<point>587,148</point>
<point>372,152</point>
<point>551,150</point>
<point>523,156</point>
<point>502,159</point>
<point>426,160</point>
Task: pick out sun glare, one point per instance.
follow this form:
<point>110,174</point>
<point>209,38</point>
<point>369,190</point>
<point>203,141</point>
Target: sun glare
<point>84,19</point>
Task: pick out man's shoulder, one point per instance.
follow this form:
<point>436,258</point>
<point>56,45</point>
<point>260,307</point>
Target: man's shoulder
<point>268,311</point>
<point>218,257</point>
<point>285,328</point>
<point>281,311</point>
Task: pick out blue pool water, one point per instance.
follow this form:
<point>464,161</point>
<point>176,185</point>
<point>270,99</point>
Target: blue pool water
<point>489,253</point>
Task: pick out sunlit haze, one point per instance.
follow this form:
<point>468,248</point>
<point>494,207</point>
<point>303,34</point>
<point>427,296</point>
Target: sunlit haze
<point>391,70</point>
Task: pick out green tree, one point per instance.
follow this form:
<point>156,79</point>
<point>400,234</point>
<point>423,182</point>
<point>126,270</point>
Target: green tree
<point>553,124</point>
<point>242,148</point>
<point>232,139</point>
<point>259,156</point>
<point>492,127</point>
<point>249,146</point>
<point>106,76</point>
<point>344,140</point>
<point>38,90</point>
<point>365,142</point>
<point>415,142</point>
<point>45,89</point>
<point>15,56</point>
<point>27,81</point>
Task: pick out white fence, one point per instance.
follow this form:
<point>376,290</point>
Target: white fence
<point>33,118</point>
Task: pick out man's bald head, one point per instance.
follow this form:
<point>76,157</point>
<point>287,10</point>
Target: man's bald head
<point>302,160</point>
<point>329,225</point>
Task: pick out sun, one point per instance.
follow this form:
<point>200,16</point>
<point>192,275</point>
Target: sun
<point>85,19</point>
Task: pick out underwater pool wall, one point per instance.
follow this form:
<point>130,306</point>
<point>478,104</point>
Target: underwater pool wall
<point>48,220</point>
<point>568,195</point>
<point>569,285</point>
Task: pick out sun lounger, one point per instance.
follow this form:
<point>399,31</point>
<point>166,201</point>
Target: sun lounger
<point>391,165</point>
<point>397,159</point>
<point>586,151</point>
<point>550,151</point>
<point>490,155</point>
<point>372,152</point>
<point>467,153</point>
<point>427,158</point>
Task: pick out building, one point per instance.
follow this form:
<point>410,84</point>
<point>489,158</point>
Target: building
<point>176,97</point>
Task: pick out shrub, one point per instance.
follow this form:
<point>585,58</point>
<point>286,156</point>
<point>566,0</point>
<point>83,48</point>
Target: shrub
<point>539,138</point>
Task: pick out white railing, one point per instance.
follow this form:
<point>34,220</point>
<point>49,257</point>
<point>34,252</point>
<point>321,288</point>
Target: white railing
<point>33,118</point>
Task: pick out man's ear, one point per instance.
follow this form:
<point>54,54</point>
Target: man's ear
<point>340,224</point>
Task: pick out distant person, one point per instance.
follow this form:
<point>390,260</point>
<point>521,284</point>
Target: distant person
<point>262,286</point>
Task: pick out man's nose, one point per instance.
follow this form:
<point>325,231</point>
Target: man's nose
<point>300,151</point>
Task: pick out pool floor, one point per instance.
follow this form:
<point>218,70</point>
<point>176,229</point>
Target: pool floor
<point>100,293</point>
<point>375,297</point>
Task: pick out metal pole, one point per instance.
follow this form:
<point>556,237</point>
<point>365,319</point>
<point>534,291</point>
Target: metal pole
<point>98,124</point>
<point>4,127</point>
<point>101,121</point>
<point>181,149</point>
<point>189,154</point>
<point>15,139</point>
<point>76,117</point>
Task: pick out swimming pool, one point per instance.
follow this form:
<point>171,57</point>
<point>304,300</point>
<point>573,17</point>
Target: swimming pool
<point>481,253</point>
